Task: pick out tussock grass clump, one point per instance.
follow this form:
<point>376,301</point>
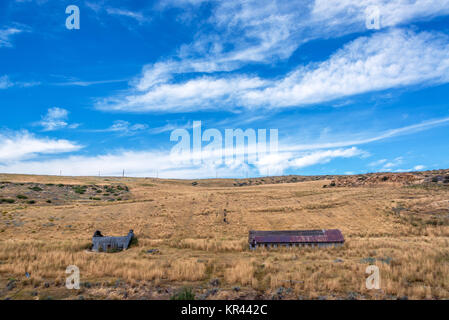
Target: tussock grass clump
<point>241,273</point>
<point>189,270</point>
<point>213,245</point>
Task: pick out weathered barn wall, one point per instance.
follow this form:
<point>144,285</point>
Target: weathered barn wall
<point>295,238</point>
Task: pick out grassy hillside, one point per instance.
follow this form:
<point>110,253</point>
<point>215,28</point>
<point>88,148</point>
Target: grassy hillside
<point>401,227</point>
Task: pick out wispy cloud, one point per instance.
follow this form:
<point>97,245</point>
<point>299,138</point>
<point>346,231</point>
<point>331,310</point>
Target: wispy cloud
<point>170,127</point>
<point>201,93</point>
<point>341,142</point>
<point>266,31</point>
<point>377,163</point>
<point>391,164</point>
<point>290,155</point>
<point>385,165</point>
<point>386,60</point>
<point>138,16</point>
<point>123,127</point>
<point>55,119</point>
<point>23,145</point>
<point>6,34</point>
<point>6,82</point>
<point>325,156</point>
<point>169,165</point>
<point>392,13</point>
<point>83,83</point>
<point>391,59</point>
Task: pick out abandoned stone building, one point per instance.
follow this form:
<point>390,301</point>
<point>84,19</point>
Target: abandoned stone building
<point>101,243</point>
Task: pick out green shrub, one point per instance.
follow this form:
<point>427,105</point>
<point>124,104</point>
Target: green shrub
<point>185,293</point>
<point>79,189</point>
<point>21,196</point>
<point>134,242</point>
<point>35,188</point>
<point>7,200</point>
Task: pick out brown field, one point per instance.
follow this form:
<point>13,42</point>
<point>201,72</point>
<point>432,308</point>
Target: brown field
<point>403,229</point>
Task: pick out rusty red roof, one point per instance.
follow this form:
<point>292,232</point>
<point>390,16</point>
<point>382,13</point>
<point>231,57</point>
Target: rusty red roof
<point>297,236</point>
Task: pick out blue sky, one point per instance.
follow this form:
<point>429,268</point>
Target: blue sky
<point>344,98</point>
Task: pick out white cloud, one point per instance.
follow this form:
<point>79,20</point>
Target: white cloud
<point>392,13</point>
<point>362,138</point>
<point>124,128</point>
<point>324,157</point>
<point>6,34</point>
<point>82,83</point>
<point>23,145</point>
<point>391,59</point>
<point>277,163</point>
<point>386,60</point>
<point>378,162</point>
<point>168,165</point>
<point>121,125</point>
<point>391,164</point>
<point>266,31</point>
<point>5,82</point>
<point>126,13</point>
<point>188,96</point>
<point>55,119</point>
<point>170,127</point>
<point>415,168</point>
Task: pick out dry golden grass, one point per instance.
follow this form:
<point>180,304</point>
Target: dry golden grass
<point>185,223</point>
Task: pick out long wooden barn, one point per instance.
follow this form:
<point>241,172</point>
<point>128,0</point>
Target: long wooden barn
<point>295,238</point>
